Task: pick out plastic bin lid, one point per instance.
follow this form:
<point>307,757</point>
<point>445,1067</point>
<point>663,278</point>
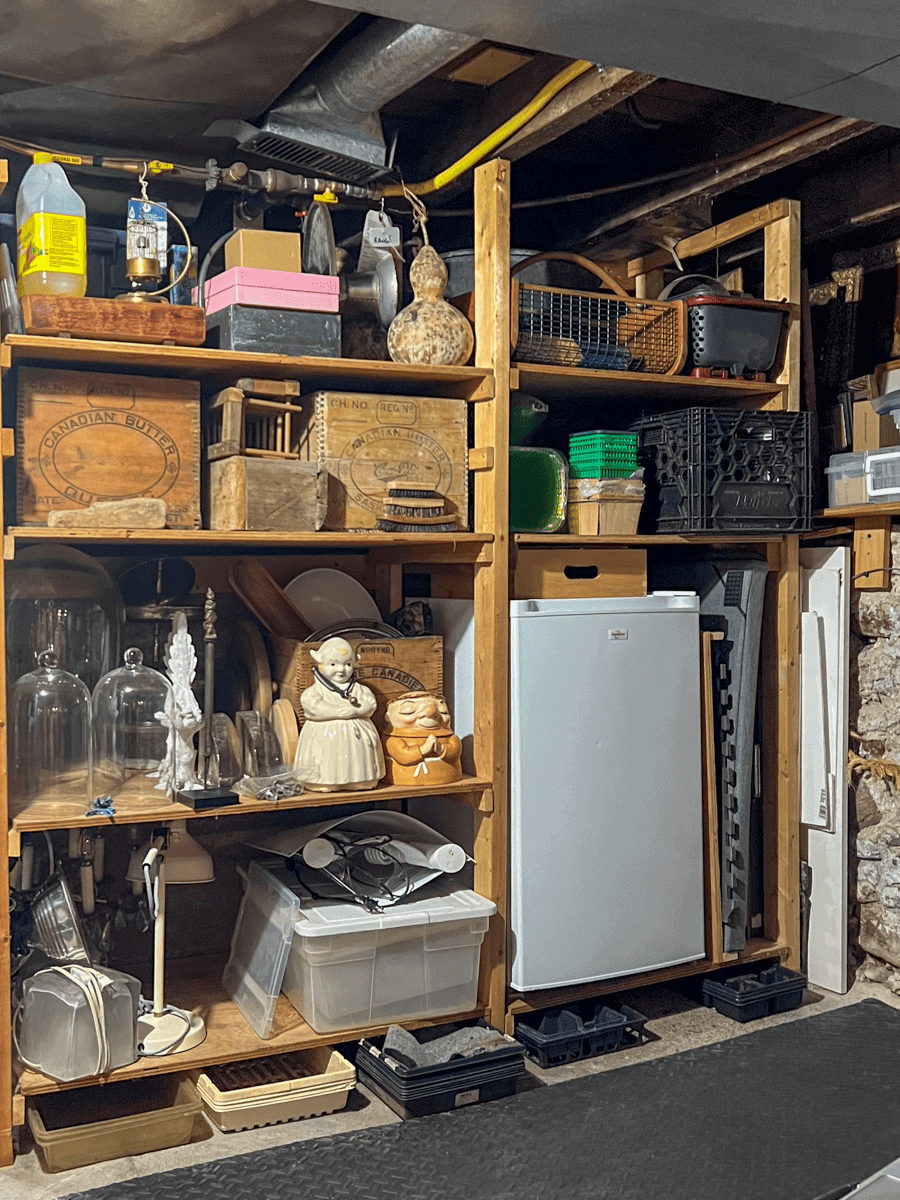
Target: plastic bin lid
<point>436,903</point>
<point>841,462</point>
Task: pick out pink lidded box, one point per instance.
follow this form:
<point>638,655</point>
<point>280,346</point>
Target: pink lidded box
<point>272,289</point>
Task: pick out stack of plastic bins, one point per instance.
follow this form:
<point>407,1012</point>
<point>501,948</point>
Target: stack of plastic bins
<point>564,1035</point>
<point>422,1091</point>
<point>283,1087</point>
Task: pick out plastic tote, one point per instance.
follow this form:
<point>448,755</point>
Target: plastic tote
<point>348,968</point>
<point>283,1087</point>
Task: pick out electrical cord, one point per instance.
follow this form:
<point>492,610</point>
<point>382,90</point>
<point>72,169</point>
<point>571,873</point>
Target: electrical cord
<point>207,263</point>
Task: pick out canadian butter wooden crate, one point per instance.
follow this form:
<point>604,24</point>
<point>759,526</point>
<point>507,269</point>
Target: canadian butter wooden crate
<point>363,441</point>
<point>83,436</point>
<point>389,667</point>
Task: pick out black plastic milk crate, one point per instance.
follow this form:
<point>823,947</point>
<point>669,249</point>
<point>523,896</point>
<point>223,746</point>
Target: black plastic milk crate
<point>563,1035</point>
<point>722,470</point>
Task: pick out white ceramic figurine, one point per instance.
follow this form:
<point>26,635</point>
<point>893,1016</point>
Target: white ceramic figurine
<point>339,747</point>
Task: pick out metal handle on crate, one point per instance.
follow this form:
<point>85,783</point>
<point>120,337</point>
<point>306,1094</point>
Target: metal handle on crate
<point>579,261</point>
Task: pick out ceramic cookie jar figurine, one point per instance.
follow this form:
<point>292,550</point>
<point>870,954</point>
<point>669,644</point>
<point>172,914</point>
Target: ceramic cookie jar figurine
<point>339,748</point>
<point>420,747</point>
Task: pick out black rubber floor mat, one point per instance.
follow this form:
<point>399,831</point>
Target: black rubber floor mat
<point>788,1113</point>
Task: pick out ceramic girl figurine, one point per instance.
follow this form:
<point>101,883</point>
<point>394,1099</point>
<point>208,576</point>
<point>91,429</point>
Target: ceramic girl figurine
<point>420,747</point>
<point>339,746</point>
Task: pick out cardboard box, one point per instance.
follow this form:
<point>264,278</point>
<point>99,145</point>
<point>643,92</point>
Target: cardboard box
<point>579,574</point>
<point>263,248</point>
<point>264,493</point>
<point>870,431</point>
<point>362,441</point>
<point>389,667</point>
<point>83,436</point>
<point>271,289</point>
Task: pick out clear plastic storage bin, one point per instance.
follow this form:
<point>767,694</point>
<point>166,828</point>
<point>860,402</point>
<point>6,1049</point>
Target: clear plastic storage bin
<point>348,969</point>
<point>883,476</point>
<point>846,474</point>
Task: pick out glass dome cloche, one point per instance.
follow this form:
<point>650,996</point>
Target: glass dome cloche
<point>50,737</point>
<point>130,730</point>
<point>58,596</point>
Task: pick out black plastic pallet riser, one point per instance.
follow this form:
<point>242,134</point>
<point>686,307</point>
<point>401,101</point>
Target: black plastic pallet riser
<point>579,1031</point>
<point>749,996</point>
<point>722,470</point>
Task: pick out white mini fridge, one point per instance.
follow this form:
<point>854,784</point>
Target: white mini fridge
<point>606,801</point>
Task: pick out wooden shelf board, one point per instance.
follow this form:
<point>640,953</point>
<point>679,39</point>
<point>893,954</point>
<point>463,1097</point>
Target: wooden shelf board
<point>580,383</point>
<point>457,545</point>
<point>645,539</point>
<point>525,1002</point>
<point>67,814</point>
<point>196,985</point>
<point>219,367</point>
<point>860,510</point>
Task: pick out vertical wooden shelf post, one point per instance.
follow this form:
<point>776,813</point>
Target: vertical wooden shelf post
<point>492,292</point>
<point>783,282</point>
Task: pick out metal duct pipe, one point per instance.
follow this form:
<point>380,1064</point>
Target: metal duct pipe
<point>386,59</point>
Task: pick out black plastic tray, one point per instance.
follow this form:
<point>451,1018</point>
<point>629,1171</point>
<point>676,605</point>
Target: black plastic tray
<point>751,995</point>
<point>564,1035</point>
<point>423,1091</point>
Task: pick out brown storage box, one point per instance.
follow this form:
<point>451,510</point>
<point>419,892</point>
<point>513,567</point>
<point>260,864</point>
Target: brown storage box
<point>264,493</point>
<point>602,514</point>
<point>870,431</point>
<point>390,668</point>
<point>264,248</point>
<point>362,441</point>
<point>579,574</point>
<point>83,436</point>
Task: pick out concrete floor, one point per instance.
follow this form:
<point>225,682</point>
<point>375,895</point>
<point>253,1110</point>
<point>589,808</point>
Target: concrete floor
<point>676,1022</point>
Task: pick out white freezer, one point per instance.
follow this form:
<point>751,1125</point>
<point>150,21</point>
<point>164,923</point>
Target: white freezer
<point>606,801</point>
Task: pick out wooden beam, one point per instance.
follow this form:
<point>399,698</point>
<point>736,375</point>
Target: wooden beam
<point>591,94</point>
<point>829,133</point>
<point>783,281</point>
<point>709,239</point>
<point>492,317</point>
<point>872,553</point>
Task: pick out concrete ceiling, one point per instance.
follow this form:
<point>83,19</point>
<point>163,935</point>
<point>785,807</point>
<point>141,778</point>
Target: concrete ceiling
<point>835,56</point>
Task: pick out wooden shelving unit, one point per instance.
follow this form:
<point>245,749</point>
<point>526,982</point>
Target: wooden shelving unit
<point>475,565</point>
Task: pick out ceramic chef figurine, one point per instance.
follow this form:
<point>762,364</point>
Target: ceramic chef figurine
<point>339,748</point>
<point>420,747</point>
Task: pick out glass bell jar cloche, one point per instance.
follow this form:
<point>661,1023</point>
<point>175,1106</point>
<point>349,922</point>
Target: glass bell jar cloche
<point>50,737</point>
<point>57,596</point>
<point>131,731</point>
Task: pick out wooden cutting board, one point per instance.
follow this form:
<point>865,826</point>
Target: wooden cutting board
<point>267,600</point>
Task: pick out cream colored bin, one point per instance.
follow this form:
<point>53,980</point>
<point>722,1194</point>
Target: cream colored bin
<point>81,1145</point>
<point>323,1090</point>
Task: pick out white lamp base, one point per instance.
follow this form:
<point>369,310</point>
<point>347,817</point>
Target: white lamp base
<point>171,1033</point>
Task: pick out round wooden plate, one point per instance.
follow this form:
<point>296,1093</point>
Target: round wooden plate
<point>284,722</point>
<point>251,653</point>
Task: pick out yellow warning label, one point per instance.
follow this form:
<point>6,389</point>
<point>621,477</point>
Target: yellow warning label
<point>44,156</point>
<point>51,242</point>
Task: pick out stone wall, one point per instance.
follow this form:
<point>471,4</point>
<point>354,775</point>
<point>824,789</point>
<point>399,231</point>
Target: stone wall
<point>875,799</point>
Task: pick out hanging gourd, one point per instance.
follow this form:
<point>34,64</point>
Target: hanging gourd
<point>429,330</point>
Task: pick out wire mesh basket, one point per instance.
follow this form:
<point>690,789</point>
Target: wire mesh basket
<point>605,332</point>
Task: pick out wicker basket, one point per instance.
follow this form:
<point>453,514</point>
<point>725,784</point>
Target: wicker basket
<point>609,331</point>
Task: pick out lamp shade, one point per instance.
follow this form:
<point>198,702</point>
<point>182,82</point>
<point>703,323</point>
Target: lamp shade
<point>186,860</point>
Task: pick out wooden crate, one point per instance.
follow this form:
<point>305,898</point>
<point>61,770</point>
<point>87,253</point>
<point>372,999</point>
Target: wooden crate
<point>362,441</point>
<point>114,320</point>
<point>83,436</point>
<point>265,425</point>
<point>390,668</point>
<point>579,574</point>
<point>258,493</point>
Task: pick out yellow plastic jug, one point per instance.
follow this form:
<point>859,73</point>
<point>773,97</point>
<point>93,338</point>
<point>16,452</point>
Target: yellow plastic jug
<point>50,217</point>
